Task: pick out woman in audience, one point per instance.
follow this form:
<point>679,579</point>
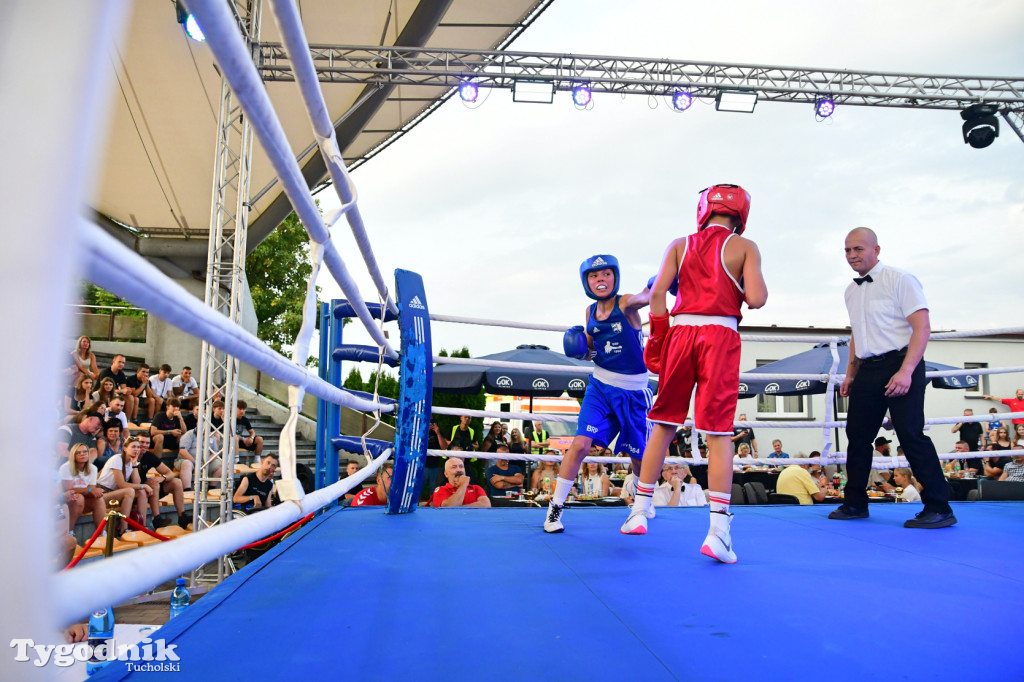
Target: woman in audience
<point>517,444</point>
<point>121,473</point>
<point>493,439</point>
<point>110,443</point>
<point>105,392</point>
<point>1018,436</point>
<point>545,470</point>
<point>743,451</point>
<point>594,481</point>
<point>78,475</point>
<point>78,398</point>
<point>84,360</point>
<point>1000,439</point>
<point>905,479</point>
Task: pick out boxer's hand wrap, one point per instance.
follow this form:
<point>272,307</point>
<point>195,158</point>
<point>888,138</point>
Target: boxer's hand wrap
<point>652,351</point>
<point>574,343</point>
<point>672,289</point>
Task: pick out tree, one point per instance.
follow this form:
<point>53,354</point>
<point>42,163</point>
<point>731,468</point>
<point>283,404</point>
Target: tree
<point>93,295</point>
<point>477,401</point>
<point>278,270</point>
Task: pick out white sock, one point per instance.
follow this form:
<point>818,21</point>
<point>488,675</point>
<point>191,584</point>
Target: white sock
<point>719,502</point>
<point>644,496</point>
<point>562,488</point>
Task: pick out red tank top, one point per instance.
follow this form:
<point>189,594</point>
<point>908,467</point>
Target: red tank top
<point>705,285</point>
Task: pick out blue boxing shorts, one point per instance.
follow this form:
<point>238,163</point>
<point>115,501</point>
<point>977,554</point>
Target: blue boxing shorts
<point>608,411</point>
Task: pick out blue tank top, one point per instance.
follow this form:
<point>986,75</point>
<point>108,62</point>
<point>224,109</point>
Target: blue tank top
<point>617,346</point>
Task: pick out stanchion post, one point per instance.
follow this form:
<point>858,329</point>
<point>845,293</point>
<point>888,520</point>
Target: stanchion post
<point>333,413</point>
<point>114,517</point>
<point>322,437</point>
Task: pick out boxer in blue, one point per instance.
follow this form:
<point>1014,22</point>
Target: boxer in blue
<point>619,395</point>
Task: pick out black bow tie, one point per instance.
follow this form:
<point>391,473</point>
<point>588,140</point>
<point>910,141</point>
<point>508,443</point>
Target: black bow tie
<point>861,280</point>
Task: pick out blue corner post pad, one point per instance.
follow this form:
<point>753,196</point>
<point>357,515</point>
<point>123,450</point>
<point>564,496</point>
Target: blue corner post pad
<point>354,444</point>
<point>415,379</point>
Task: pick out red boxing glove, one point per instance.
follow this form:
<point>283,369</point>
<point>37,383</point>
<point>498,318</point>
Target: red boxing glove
<point>652,351</point>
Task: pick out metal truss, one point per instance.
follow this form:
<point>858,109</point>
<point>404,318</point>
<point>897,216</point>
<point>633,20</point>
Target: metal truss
<point>225,284</point>
<point>626,75</point>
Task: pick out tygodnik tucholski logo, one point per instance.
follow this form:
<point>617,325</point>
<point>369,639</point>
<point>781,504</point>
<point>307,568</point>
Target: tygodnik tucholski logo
<point>148,655</point>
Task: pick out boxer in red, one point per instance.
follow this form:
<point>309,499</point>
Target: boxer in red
<point>718,271</point>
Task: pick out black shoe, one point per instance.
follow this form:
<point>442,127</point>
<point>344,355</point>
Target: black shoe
<point>160,522</point>
<point>931,519</point>
<point>846,513</point>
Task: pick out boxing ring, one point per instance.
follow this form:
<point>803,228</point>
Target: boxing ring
<point>455,587</point>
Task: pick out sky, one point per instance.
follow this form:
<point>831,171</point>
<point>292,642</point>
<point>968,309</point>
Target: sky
<point>496,206</point>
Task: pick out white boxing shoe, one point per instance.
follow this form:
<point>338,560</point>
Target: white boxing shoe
<point>553,521</point>
<point>719,547</point>
<point>636,524</point>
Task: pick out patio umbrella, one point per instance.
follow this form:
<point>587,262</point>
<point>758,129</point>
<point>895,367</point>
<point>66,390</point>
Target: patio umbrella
<point>468,379</point>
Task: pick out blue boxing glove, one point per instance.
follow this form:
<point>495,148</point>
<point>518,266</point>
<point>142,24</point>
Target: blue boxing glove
<point>575,344</point>
<point>672,289</point>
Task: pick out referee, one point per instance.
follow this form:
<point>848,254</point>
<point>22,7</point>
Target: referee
<point>889,318</point>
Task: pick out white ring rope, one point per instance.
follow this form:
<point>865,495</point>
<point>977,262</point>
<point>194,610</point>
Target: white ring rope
<point>138,281</point>
<point>80,591</point>
<point>501,323</point>
<point>294,38</point>
<point>236,64</point>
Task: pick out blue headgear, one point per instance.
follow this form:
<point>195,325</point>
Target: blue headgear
<point>599,262</point>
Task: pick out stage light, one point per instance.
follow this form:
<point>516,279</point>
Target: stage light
<point>581,95</point>
<point>981,127</point>
<point>469,91</point>
<point>681,100</point>
<point>824,107</point>
<point>189,22</point>
<point>742,101</point>
<point>541,92</point>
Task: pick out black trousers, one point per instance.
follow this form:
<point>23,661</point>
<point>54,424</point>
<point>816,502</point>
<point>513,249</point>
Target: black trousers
<point>868,404</point>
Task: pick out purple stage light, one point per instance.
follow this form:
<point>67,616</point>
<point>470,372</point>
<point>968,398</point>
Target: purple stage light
<point>824,107</point>
<point>468,91</point>
<point>581,95</point>
<point>681,100</point>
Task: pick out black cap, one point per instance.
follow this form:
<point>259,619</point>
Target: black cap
<point>881,440</point>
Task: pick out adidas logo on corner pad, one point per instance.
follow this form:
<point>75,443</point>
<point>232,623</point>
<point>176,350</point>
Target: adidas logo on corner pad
<point>417,303</point>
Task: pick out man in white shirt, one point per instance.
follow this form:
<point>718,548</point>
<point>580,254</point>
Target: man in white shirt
<point>891,326</point>
<point>161,387</point>
<point>186,389</point>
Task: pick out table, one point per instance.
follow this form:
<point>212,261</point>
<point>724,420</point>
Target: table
<point>959,487</point>
<point>889,497</point>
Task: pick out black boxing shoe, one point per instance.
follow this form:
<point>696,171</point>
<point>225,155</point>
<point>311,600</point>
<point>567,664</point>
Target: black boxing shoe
<point>931,519</point>
<point>848,513</point>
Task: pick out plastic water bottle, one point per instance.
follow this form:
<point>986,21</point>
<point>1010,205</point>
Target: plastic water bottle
<point>101,631</point>
<point>180,598</point>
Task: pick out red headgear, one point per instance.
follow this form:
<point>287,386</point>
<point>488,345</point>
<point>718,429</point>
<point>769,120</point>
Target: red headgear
<point>724,199</point>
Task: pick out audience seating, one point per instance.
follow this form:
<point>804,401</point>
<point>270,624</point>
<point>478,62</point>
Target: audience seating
<point>778,498</point>
<point>737,494</point>
<point>755,492</point>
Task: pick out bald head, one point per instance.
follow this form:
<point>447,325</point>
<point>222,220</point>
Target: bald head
<point>862,249</point>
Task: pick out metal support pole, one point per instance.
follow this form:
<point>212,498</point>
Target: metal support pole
<point>322,442</point>
<point>331,463</point>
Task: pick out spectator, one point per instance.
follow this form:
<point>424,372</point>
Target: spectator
<point>904,478</point>
<point>796,480</point>
<point>536,437</point>
<point>217,415</point>
<point>115,411</point>
<point>257,489</point>
<point>1015,404</point>
<point>1018,437</point>
<point>462,435</point>
<point>110,443</point>
<point>994,466</point>
<point>1014,471</point>
<point>376,495</point>
<point>167,428</point>
<point>517,444</point>
<point>116,372</point>
<point>78,476</point>
<point>743,451</point>
<point>678,488</point>
<point>191,418</point>
<point>975,466</point>
<point>351,469</point>
<point>185,464</point>
<point>434,463</point>
<point>594,482</point>
<point>543,479</point>
<point>65,538</point>
<point>161,388</point>
<point>163,482</point>
<point>185,388</point>
<point>881,478</point>
<point>79,398</point>
<point>993,423</point>
<point>106,392</point>
<point>972,433</point>
<point>502,477</point>
<point>777,448</point>
<point>121,473</point>
<point>1000,440</point>
<point>458,492</point>
<point>744,435</point>
<point>247,438</point>
<point>83,429</point>
<point>84,360</point>
<point>139,391</point>
<point>493,439</point>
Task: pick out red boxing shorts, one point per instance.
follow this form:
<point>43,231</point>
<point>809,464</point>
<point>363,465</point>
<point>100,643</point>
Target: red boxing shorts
<point>705,355</point>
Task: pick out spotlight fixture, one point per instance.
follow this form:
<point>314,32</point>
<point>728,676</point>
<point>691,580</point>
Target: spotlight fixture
<point>581,95</point>
<point>541,92</point>
<point>189,22</point>
<point>824,107</point>
<point>981,127</point>
<point>469,91</point>
<point>742,101</point>
<point>681,100</point>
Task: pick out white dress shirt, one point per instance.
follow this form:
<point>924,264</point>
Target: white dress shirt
<point>879,310</point>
